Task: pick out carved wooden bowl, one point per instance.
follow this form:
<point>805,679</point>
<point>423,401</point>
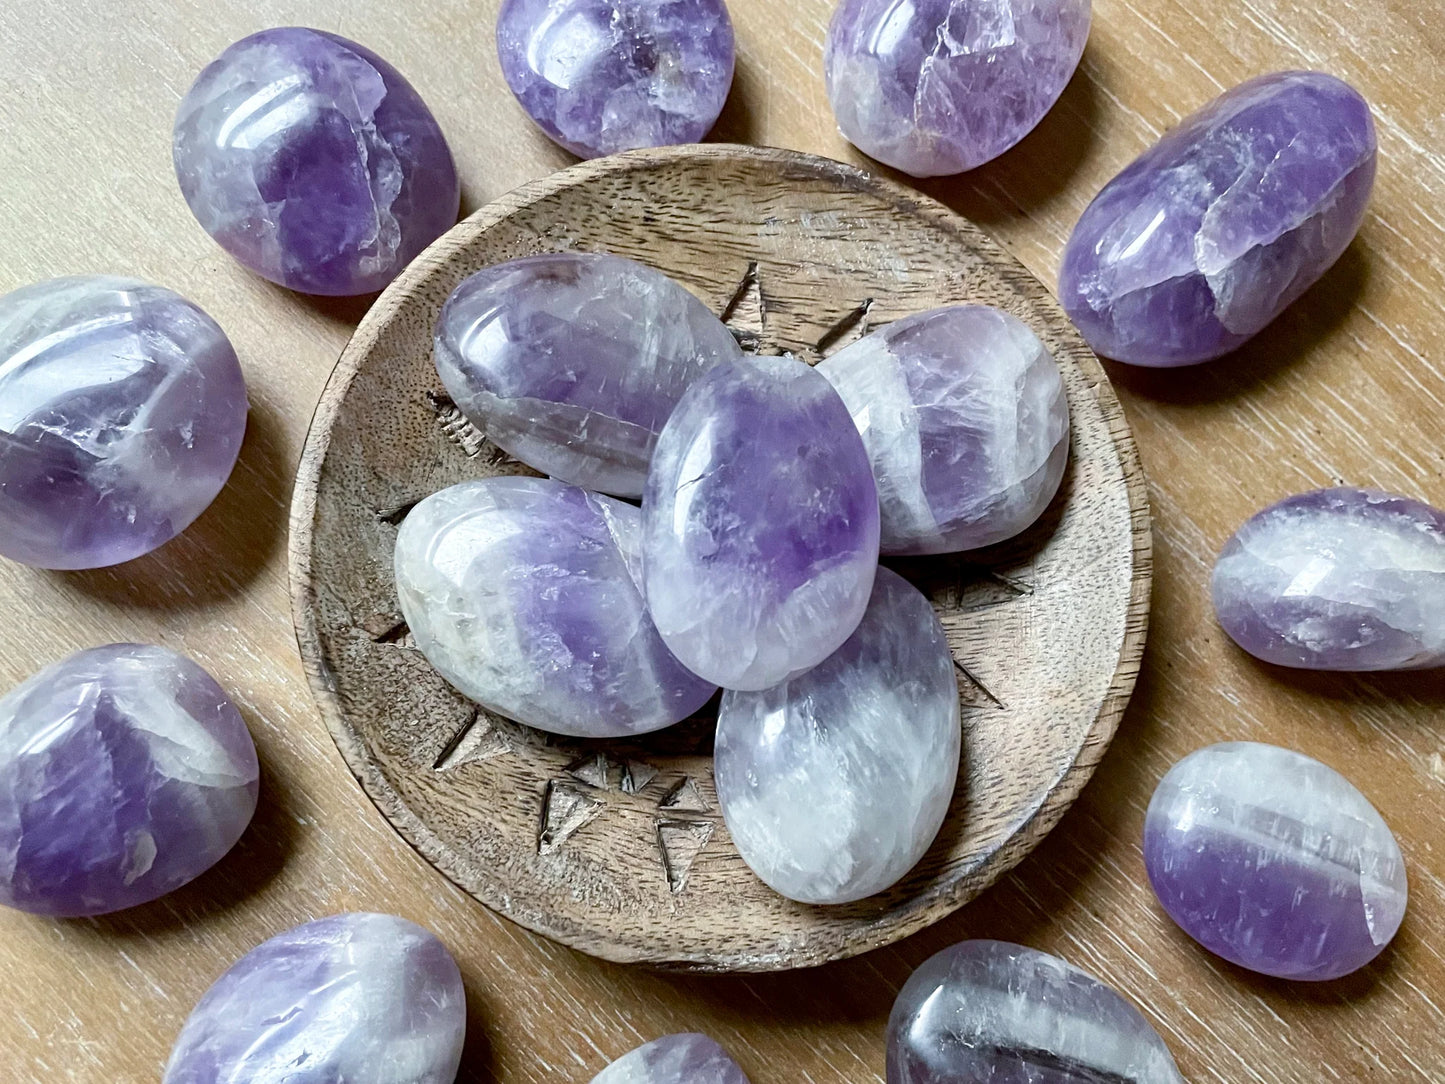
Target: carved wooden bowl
<point>617,848</point>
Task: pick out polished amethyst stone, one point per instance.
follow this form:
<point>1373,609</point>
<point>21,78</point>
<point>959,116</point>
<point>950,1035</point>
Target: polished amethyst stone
<point>573,361</point>
<point>313,162</point>
<point>523,593</point>
<point>991,1011</point>
<point>1274,861</point>
<point>602,76</point>
<point>674,1059</point>
<point>122,409</point>
<point>965,418</point>
<point>1211,233</point>
<point>125,772</point>
<point>759,524</point>
<point>934,87</point>
<point>350,999</point>
<point>1337,579</point>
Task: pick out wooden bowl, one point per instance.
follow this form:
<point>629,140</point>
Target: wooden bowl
<point>617,848</point>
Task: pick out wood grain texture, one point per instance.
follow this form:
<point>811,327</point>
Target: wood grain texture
<point>1346,386</point>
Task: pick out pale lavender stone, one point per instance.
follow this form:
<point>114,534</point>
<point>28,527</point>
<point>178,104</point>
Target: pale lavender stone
<point>966,422</point>
<point>1274,861</point>
<point>524,594</point>
<point>573,361</point>
<point>674,1059</point>
<point>313,162</point>
<point>354,998</point>
<point>122,409</point>
<point>125,772</point>
<point>1211,233</point>
<point>835,783</point>
<point>760,524</point>
<point>1337,579</point>
<point>992,1011</point>
<point>602,76</point>
<point>934,87</point>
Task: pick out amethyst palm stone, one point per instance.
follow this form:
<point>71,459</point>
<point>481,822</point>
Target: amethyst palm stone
<point>688,1058</point>
<point>313,162</point>
<point>125,772</point>
<point>122,410</point>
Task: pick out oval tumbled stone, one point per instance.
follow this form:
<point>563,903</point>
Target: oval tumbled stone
<point>1274,861</point>
<point>1212,232</point>
<point>573,361</point>
<point>688,1058</point>
<point>1337,579</point>
<point>834,784</point>
<point>523,593</point>
<point>760,524</point>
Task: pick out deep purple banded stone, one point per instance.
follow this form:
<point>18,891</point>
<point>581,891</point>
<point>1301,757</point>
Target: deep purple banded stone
<point>674,1059</point>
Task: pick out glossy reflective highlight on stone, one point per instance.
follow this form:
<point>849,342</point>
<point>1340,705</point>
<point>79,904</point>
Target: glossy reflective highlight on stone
<point>1274,861</point>
<point>125,772</point>
<point>573,361</point>
<point>1211,233</point>
<point>674,1059</point>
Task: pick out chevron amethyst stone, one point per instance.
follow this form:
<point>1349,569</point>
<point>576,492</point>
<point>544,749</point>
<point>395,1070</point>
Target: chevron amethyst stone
<point>674,1059</point>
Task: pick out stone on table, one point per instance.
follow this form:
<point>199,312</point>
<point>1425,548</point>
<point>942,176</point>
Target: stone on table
<point>674,1059</point>
<point>313,162</point>
<point>573,361</point>
<point>1216,229</point>
<point>760,524</point>
<point>935,87</point>
<point>1337,579</point>
<point>965,419</point>
<point>122,410</point>
<point>603,76</point>
<point>125,772</point>
<point>359,998</point>
<point>834,783</point>
<point>992,1011</point>
<point>1274,861</point>
<point>524,594</point>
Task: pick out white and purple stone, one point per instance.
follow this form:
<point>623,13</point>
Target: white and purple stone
<point>125,772</point>
<point>313,162</point>
<point>354,998</point>
<point>524,594</point>
<point>966,422</point>
<point>1337,579</point>
<point>603,76</point>
<point>834,783</point>
<point>573,361</point>
<point>1274,861</point>
<point>989,1010</point>
<point>1212,232</point>
<point>687,1058</point>
<point>122,410</point>
<point>934,87</point>
<point>759,524</point>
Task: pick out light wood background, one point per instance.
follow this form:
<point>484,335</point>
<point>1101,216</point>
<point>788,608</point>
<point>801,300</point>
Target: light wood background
<point>1346,386</point>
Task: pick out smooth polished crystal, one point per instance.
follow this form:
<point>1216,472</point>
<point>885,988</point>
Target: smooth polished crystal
<point>602,76</point>
<point>966,422</point>
<point>122,409</point>
<point>1274,861</point>
<point>524,594</point>
<point>1211,233</point>
<point>125,771</point>
<point>992,1011</point>
<point>573,361</point>
<point>935,87</point>
<point>760,524</point>
<point>354,998</point>
<point>674,1059</point>
<point>313,162</point>
<point>835,783</point>
<point>1337,579</point>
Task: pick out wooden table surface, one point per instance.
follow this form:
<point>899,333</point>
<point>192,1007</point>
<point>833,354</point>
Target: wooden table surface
<point>1346,386</point>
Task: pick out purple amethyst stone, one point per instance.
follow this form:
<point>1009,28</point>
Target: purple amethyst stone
<point>1274,861</point>
<point>313,162</point>
<point>602,76</point>
<point>674,1059</point>
<point>125,772</point>
<point>122,409</point>
<point>1211,233</point>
